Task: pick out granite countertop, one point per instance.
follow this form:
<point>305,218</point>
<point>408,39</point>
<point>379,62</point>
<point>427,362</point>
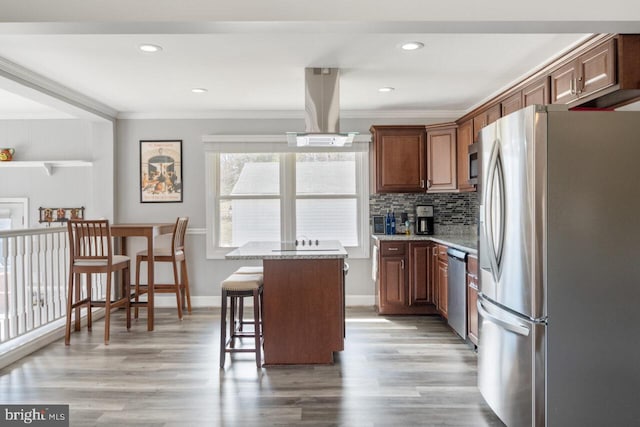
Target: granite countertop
<point>465,242</point>
<point>324,249</point>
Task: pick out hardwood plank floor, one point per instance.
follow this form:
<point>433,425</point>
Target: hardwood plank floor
<point>394,371</point>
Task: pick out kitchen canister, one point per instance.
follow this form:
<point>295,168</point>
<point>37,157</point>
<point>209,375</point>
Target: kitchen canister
<point>6,154</point>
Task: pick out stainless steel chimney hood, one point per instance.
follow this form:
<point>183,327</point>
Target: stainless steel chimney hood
<point>322,111</point>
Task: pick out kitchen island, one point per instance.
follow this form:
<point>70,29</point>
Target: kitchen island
<point>303,313</point>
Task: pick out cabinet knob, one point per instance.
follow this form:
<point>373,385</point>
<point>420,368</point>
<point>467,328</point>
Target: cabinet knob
<point>402,264</point>
<point>422,183</point>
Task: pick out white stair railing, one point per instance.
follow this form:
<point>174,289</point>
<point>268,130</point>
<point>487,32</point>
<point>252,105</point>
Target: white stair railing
<point>34,266</point>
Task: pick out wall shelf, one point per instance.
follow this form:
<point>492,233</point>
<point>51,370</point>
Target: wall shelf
<point>47,165</point>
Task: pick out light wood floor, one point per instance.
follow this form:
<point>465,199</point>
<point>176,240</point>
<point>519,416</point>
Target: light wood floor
<point>394,371</point>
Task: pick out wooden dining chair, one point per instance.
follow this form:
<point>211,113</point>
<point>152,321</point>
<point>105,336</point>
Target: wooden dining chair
<point>175,254</point>
<point>90,252</point>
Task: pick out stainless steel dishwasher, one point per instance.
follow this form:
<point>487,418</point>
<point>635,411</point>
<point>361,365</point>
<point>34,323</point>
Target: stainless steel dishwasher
<point>457,291</point>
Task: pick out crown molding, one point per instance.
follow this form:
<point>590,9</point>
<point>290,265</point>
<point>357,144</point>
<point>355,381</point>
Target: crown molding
<point>289,114</point>
<point>31,85</point>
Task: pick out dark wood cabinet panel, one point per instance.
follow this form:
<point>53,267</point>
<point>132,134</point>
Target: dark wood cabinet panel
<point>536,92</point>
<point>443,277</point>
<point>441,159</point>
<point>597,69</point>
<point>393,275</point>
<point>463,140</point>
<point>310,330</point>
<point>420,278</point>
<point>562,84</point>
<point>488,116</point>
<point>405,280</point>
<point>511,104</point>
<point>399,162</point>
<point>590,72</point>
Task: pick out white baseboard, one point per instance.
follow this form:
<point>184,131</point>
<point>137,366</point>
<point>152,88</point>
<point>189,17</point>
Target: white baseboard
<point>169,301</point>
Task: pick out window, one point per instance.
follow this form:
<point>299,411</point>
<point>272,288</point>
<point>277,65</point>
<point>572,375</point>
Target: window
<point>265,190</point>
<point>249,200</point>
<point>13,215</point>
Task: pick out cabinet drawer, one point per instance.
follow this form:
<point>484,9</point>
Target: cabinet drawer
<point>442,252</point>
<point>392,248</point>
<point>472,266</point>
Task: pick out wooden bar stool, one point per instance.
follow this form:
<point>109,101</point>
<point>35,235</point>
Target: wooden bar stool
<point>236,287</point>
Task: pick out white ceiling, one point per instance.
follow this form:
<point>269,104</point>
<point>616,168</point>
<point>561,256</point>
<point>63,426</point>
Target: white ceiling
<point>252,58</point>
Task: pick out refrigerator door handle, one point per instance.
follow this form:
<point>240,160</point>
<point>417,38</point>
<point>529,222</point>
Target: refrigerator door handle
<point>493,226</point>
<point>514,327</point>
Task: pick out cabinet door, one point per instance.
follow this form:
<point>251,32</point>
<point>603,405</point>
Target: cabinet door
<point>435,276</point>
<point>443,277</point>
<point>512,103</point>
<point>596,69</point>
<point>464,140</point>
<point>400,164</point>
<point>441,160</point>
<point>537,92</point>
<point>420,278</point>
<point>486,117</point>
<point>563,82</point>
<point>392,281</point>
<point>472,308</point>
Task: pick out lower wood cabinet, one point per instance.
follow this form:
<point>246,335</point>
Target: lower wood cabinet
<point>472,299</point>
<point>442,274</point>
<point>405,281</point>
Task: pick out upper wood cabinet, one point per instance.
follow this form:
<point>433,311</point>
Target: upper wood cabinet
<point>511,104</point>
<point>441,158</point>
<point>536,92</point>
<point>488,116</point>
<point>399,164</point>
<point>590,72</point>
<point>464,140</point>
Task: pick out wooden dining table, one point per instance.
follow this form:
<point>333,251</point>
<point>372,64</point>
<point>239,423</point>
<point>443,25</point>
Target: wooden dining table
<point>149,231</point>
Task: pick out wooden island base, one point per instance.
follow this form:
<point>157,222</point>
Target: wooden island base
<point>303,320</point>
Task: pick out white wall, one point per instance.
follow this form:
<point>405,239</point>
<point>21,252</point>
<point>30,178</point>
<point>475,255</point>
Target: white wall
<point>70,139</point>
<point>206,275</point>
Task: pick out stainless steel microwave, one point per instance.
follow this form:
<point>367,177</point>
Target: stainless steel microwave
<point>473,163</point>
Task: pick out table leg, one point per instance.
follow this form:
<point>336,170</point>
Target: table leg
<point>150,281</point>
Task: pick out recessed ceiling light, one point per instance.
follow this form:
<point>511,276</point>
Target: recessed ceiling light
<point>386,89</point>
<point>412,46</point>
<point>150,48</point>
<point>199,90</point>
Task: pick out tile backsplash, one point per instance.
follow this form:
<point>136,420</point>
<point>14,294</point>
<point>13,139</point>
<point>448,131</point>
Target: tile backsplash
<point>451,211</point>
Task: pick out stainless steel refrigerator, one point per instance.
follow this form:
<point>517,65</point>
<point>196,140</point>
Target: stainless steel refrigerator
<point>559,254</point>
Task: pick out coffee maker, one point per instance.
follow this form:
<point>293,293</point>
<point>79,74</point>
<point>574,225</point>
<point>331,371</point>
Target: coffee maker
<point>424,219</point>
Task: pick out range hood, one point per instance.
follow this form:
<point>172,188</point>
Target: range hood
<point>322,111</point>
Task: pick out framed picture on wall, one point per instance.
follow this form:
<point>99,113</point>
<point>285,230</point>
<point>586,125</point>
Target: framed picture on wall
<point>161,171</point>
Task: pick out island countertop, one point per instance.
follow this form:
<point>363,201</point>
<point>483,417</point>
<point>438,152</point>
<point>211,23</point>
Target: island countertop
<point>323,249</point>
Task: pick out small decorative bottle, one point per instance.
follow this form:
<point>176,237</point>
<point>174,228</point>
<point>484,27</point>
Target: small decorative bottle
<point>393,223</point>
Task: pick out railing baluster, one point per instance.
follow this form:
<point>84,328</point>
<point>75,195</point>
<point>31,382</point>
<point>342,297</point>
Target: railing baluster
<point>33,279</point>
<point>24,285</point>
<point>13,308</point>
<point>4,287</point>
